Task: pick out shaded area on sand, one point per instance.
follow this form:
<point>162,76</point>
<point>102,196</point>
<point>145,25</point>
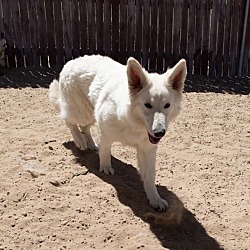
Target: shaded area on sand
<point>42,77</point>
<point>177,228</point>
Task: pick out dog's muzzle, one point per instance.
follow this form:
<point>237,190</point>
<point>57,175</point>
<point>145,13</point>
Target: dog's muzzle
<point>158,128</point>
<point>157,136</point>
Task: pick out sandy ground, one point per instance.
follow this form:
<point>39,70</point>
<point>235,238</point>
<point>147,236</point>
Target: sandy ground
<point>52,195</point>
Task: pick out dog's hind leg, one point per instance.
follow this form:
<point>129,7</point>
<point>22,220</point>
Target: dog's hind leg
<point>90,142</point>
<point>79,138</point>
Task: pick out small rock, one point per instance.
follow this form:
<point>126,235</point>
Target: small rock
<point>65,222</point>
<point>55,183</point>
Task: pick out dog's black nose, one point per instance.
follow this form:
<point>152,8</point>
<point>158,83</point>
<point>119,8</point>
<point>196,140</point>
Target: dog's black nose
<point>159,133</point>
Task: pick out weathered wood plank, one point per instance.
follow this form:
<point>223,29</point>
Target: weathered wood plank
<point>60,60</point>
<point>205,38</point>
<point>228,17</point>
<point>213,38</point>
<point>138,30</point>
<point>123,31</point>
<point>146,33</point>
<point>67,30</point>
<point>115,29</point>
<point>191,36</point>
<point>153,35</point>
<point>50,32</point>
<point>34,39</point>
<point>91,26</point>
<point>184,29</point>
<point>75,29</point>
<point>99,27</point>
<point>169,33</point>
<point>42,32</point>
<point>177,30</point>
<point>107,27</point>
<point>1,21</point>
<point>131,27</point>
<point>9,35</point>
<point>234,45</point>
<point>161,35</point>
<point>198,38</point>
<point>17,32</point>
<point>83,27</point>
<point>220,38</point>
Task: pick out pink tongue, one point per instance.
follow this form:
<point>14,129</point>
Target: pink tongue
<point>152,139</point>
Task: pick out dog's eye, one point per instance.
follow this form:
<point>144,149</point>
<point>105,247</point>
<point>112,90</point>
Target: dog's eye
<point>167,105</point>
<point>148,105</point>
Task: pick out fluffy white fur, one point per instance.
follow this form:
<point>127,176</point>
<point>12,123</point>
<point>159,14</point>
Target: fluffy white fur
<point>128,104</point>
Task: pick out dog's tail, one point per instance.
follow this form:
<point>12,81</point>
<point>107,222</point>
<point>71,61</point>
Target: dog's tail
<point>54,94</point>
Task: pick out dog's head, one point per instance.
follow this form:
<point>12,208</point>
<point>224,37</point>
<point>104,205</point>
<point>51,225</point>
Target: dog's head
<point>156,98</point>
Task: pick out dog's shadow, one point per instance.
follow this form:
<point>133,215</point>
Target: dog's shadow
<point>177,228</point>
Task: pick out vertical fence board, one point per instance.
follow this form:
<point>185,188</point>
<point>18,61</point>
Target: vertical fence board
<point>233,47</point>
<point>153,35</point>
<point>83,25</point>
<point>227,35</point>
<point>220,38</point>
<point>115,29</point>
<point>59,32</point>
<point>67,30</point>
<point>123,31</point>
<point>50,32</point>
<point>25,33</point>
<point>75,29</point>
<point>191,36</point>
<point>42,32</point>
<point>1,21</point>
<point>9,36</point>
<point>34,40</point>
<point>205,38</point>
<point>138,30</point>
<point>17,32</point>
<point>107,27</point>
<point>246,54</point>
<point>213,37</point>
<point>177,30</point>
<point>161,35</point>
<point>169,33</point>
<point>131,28</point>
<point>99,26</point>
<point>184,29</point>
<point>145,33</point>
<point>91,26</point>
<point>198,37</point>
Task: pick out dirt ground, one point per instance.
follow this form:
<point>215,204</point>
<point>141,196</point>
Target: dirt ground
<point>52,195</point>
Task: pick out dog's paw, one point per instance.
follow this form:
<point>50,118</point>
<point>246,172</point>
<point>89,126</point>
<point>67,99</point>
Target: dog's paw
<point>159,204</point>
<point>81,143</point>
<point>107,170</point>
<point>93,147</point>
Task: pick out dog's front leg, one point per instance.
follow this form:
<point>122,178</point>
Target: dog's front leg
<point>105,156</point>
<point>146,163</point>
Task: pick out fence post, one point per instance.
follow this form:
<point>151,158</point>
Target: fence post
<point>243,39</point>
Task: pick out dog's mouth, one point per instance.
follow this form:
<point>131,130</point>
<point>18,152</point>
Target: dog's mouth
<point>152,139</point>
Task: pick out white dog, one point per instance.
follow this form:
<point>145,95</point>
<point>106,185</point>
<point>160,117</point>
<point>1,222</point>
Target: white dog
<point>128,104</point>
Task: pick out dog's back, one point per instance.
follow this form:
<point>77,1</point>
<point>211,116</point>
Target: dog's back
<point>69,95</point>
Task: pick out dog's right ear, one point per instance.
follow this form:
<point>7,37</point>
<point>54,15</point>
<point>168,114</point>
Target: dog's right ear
<point>136,76</point>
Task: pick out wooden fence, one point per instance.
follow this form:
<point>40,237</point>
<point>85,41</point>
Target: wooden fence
<point>207,33</point>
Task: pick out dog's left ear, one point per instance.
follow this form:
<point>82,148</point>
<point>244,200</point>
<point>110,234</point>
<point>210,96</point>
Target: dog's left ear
<point>136,75</point>
<point>178,75</point>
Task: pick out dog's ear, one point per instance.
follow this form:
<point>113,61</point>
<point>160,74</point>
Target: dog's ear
<point>178,75</point>
<point>136,75</point>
